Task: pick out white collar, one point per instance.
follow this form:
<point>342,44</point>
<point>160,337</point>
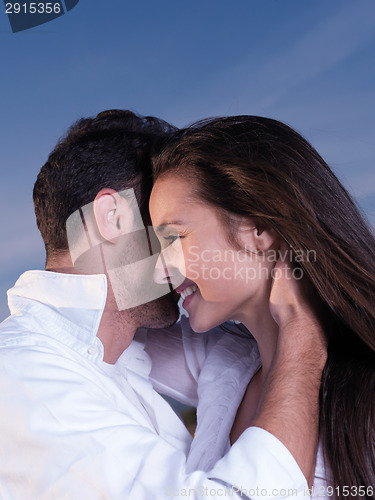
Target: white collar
<point>74,305</point>
<point>73,302</point>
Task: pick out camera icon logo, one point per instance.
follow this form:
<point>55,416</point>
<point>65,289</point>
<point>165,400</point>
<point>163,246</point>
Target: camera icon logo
<point>26,14</point>
<point>128,257</point>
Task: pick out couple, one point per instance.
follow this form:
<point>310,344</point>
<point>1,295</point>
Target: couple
<point>80,364</point>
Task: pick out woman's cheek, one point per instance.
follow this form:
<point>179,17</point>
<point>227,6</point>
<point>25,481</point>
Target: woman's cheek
<point>192,271</point>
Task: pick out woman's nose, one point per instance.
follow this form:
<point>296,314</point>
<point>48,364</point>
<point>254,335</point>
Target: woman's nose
<point>166,272</point>
<point>162,274</point>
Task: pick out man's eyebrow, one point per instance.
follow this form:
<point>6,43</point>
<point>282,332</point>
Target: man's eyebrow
<point>160,229</point>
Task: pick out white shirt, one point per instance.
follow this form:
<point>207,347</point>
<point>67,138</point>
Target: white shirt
<point>213,371</point>
<point>73,427</point>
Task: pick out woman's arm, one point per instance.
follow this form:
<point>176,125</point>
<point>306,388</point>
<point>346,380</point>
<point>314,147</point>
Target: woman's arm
<point>289,403</point>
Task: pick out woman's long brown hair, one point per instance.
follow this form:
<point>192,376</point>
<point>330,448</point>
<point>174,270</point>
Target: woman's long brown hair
<point>262,169</point>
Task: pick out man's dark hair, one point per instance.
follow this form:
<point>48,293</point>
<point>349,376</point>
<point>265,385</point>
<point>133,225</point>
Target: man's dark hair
<point>112,150</point>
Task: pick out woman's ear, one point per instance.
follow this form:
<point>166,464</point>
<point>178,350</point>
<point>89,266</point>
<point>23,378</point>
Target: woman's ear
<point>257,237</point>
<point>266,239</point>
<point>108,213</point>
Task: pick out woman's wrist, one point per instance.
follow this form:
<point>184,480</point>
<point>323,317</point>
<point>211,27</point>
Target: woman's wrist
<point>302,337</point>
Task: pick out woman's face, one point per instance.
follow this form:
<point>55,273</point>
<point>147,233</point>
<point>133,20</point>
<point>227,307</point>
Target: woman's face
<point>221,281</point>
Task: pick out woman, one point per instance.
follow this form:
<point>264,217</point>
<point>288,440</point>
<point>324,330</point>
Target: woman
<point>229,194</point>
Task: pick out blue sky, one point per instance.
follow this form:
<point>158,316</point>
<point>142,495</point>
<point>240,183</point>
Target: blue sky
<point>309,63</point>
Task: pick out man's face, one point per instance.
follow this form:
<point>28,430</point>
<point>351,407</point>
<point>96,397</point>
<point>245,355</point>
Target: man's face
<point>133,279</point>
<point>127,254</point>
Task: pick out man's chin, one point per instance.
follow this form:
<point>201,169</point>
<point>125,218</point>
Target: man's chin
<point>159,313</point>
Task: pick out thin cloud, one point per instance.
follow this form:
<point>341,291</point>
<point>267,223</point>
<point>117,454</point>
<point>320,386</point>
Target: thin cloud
<point>262,81</point>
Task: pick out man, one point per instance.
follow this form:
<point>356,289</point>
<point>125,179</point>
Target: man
<point>80,418</point>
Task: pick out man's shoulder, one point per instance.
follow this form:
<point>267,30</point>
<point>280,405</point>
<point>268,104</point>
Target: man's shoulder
<point>26,348</point>
<point>38,367</point>
<point>14,331</point>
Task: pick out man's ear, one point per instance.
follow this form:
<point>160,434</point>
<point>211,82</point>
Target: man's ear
<point>108,211</point>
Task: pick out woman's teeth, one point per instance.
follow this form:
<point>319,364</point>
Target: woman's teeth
<point>188,291</point>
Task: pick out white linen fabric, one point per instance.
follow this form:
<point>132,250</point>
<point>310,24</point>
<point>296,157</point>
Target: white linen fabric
<point>73,427</point>
<point>209,371</point>
<point>213,370</point>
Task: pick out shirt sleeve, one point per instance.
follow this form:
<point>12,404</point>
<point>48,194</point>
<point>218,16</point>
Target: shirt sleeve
<point>63,436</point>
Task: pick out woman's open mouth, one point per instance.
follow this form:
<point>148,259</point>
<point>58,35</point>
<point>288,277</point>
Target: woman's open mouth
<point>187,290</point>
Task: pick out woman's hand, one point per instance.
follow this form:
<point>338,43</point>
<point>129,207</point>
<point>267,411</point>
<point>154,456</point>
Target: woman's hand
<point>292,295</point>
<point>294,379</point>
<point>295,306</point>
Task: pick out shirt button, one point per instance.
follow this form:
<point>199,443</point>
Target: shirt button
<point>93,349</point>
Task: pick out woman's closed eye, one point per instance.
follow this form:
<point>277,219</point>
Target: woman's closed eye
<point>168,235</point>
<point>172,238</point>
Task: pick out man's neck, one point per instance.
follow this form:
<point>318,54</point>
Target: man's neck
<point>116,333</point>
<point>116,329</point>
